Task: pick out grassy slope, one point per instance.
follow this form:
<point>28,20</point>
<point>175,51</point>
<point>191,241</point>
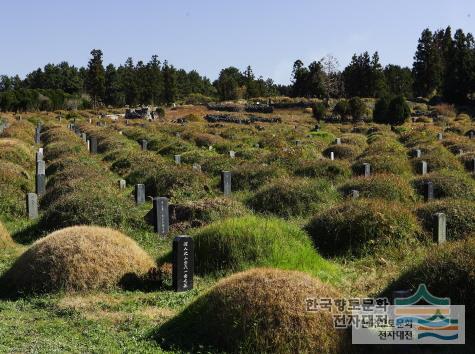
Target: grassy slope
<point>122,321</point>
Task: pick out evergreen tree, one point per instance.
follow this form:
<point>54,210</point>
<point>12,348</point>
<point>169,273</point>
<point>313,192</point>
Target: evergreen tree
<point>169,83</point>
<point>460,69</point>
<point>128,82</point>
<point>398,111</point>
<point>228,83</point>
<point>398,80</point>
<point>357,108</point>
<point>155,80</point>
<point>95,83</point>
<point>380,112</point>
<point>114,95</point>
<point>427,68</point>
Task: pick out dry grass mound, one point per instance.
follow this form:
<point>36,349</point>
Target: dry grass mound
<point>5,238</point>
<point>258,311</point>
<point>76,259</point>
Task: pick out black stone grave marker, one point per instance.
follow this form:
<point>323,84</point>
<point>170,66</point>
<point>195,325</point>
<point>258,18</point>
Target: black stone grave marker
<point>160,215</point>
<point>183,263</point>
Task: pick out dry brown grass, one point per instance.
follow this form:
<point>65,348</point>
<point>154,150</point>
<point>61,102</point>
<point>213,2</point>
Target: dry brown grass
<point>78,258</point>
<point>5,238</point>
<point>260,310</point>
<point>111,307</point>
<point>16,151</point>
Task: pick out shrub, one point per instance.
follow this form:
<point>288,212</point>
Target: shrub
<point>256,312</point>
<point>460,216</point>
<point>76,259</point>
<point>319,111</point>
<point>380,112</point>
<point>290,197</point>
<point>357,108</point>
<point>362,226</point>
<point>334,171</point>
<point>382,186</point>
<point>343,151</point>
<point>448,184</point>
<point>251,176</point>
<point>447,271</point>
<point>250,241</point>
<point>342,108</point>
<point>398,111</point>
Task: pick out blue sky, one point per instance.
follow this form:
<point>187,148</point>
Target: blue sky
<point>208,35</point>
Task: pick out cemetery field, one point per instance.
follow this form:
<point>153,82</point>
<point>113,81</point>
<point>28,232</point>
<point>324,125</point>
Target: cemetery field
<point>278,209</point>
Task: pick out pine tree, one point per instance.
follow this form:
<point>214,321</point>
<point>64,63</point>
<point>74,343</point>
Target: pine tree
<point>96,77</point>
<point>427,68</point>
<point>460,69</point>
<point>169,83</point>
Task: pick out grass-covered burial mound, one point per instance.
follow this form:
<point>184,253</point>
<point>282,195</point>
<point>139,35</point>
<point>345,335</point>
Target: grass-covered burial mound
<point>76,259</point>
<point>239,243</point>
<point>448,271</point>
<point>257,311</point>
<point>359,227</point>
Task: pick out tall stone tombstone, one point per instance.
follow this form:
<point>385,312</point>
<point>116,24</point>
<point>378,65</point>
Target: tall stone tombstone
<point>32,205</point>
<point>366,170</point>
<point>122,184</point>
<point>338,141</point>
<point>417,153</point>
<point>40,178</point>
<point>232,154</point>
<point>440,136</point>
<point>471,134</point>
<point>177,159</point>
<point>440,228</point>
<point>332,155</point>
<point>93,145</point>
<point>428,191</point>
<point>139,194</point>
<point>160,215</point>
<point>84,137</point>
<point>39,156</point>
<point>144,144</point>
<point>183,263</point>
<point>226,182</point>
<point>423,167</point>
